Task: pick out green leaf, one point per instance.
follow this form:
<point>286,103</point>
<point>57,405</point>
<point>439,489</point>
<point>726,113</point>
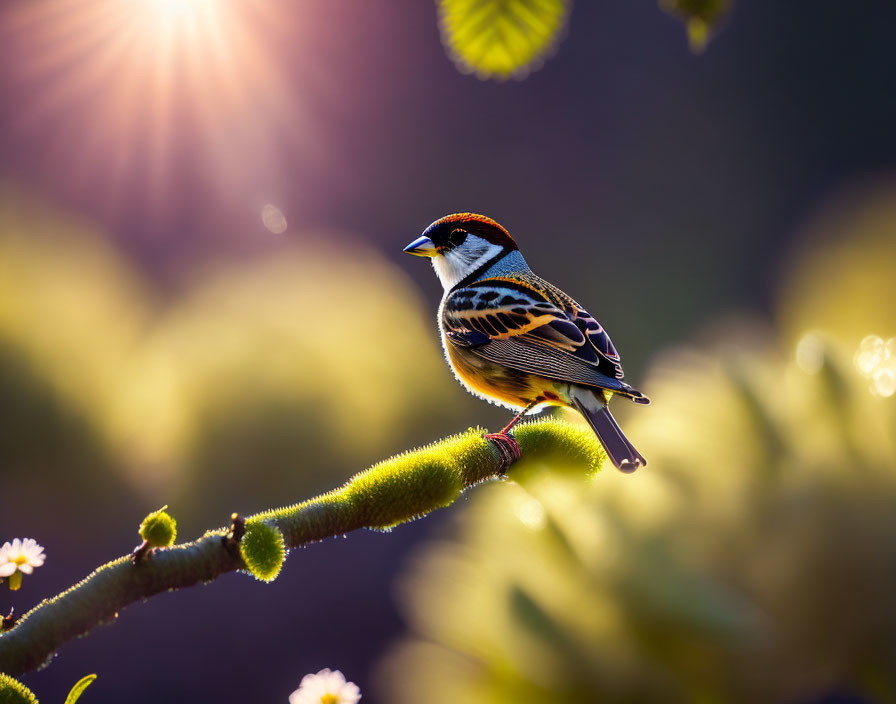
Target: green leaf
<point>701,17</point>
<point>79,688</point>
<point>501,38</point>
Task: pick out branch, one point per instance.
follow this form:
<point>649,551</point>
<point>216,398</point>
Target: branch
<point>394,491</point>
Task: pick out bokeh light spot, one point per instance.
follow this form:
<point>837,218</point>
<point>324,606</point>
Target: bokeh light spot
<point>273,219</point>
<point>875,359</point>
<point>532,514</point>
<point>884,383</point>
<point>869,355</point>
<point>810,354</point>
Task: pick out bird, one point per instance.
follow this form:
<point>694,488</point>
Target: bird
<point>517,340</point>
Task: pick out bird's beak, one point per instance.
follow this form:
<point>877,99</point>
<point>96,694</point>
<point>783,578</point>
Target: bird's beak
<point>422,247</point>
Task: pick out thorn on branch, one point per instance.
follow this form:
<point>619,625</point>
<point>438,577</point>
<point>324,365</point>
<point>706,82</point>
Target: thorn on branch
<point>141,552</point>
<point>237,531</point>
<point>8,621</point>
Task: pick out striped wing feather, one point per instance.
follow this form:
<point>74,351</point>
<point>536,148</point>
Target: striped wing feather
<point>539,330</point>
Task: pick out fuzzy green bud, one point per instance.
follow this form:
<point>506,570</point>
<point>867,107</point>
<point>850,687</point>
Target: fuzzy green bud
<point>14,692</point>
<point>263,550</point>
<point>558,444</point>
<point>159,529</point>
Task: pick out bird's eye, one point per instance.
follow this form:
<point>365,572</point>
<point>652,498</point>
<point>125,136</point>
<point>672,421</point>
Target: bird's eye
<point>457,237</point>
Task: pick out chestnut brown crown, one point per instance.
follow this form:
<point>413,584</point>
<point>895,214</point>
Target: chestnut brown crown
<point>451,231</point>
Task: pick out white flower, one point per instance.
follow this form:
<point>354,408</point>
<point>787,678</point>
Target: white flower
<point>325,688</point>
<point>22,555</point>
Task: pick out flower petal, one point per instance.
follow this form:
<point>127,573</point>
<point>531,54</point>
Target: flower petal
<point>298,697</point>
<point>335,681</point>
<point>350,693</point>
<point>315,687</point>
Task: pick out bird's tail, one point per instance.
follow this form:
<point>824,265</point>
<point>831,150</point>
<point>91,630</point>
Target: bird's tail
<point>620,451</point>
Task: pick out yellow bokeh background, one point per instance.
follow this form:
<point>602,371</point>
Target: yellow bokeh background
<point>256,382</point>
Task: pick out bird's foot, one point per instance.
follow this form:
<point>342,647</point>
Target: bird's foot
<point>507,446</point>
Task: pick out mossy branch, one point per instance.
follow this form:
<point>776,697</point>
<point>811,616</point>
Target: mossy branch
<point>394,491</point>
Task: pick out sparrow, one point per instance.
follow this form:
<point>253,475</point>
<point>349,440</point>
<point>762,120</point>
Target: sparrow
<point>517,340</point>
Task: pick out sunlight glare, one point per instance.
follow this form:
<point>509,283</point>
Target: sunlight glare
<point>174,86</point>
<point>176,8</point>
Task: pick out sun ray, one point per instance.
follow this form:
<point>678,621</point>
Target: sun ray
<point>127,89</point>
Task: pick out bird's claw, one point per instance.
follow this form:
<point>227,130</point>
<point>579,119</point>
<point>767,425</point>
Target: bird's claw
<point>507,446</point>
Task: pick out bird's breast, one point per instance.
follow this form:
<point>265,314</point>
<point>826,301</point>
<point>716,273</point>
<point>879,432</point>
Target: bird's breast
<point>500,384</point>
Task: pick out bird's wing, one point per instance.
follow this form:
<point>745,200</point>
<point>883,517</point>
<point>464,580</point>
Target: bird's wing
<point>531,329</point>
<point>586,322</point>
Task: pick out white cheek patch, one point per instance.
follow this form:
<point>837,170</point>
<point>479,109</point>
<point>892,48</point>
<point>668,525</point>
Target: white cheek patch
<point>450,269</point>
<point>456,265</point>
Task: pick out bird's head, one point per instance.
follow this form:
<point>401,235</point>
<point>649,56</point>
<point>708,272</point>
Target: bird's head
<point>462,244</point>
